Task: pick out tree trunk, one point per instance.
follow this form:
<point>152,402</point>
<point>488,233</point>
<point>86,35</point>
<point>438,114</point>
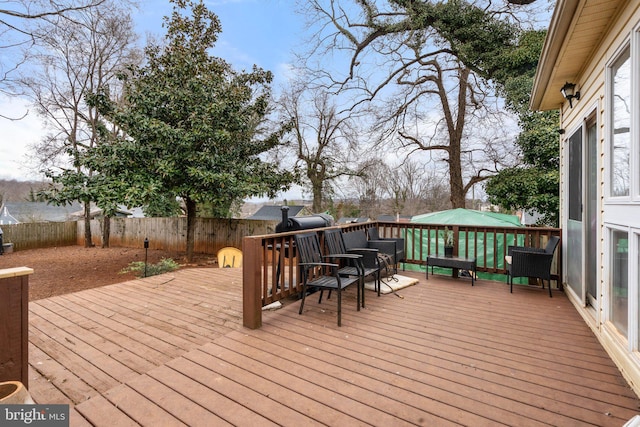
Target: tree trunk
<point>191,226</point>
<point>87,225</point>
<point>456,184</point>
<point>317,197</point>
<point>106,231</point>
<point>456,132</point>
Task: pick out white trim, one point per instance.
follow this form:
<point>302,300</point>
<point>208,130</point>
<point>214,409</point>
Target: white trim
<point>608,271</point>
<point>634,161</point>
<point>634,292</point>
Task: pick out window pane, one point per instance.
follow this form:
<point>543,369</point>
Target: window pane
<point>575,176</point>
<point>621,104</point>
<point>619,280</point>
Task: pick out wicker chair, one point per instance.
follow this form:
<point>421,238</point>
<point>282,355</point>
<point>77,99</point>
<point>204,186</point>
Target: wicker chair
<point>525,261</point>
<point>398,254</point>
<point>356,242</point>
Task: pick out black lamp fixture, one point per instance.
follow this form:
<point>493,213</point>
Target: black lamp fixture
<point>570,93</point>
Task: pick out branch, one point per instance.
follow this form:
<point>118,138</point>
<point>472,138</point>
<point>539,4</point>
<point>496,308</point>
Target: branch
<point>58,12</point>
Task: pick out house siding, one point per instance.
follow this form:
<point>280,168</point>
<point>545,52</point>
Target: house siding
<point>612,213</point>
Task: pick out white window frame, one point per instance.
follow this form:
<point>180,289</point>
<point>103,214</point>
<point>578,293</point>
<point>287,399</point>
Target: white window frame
<point>630,340</point>
<point>608,154</point>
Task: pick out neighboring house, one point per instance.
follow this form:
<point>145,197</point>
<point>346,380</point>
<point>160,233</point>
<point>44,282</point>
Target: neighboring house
<point>351,220</point>
<point>41,211</point>
<point>595,45</point>
<point>274,212</point>
<point>45,212</point>
<point>6,217</point>
<point>529,218</point>
<point>394,218</point>
<point>96,212</point>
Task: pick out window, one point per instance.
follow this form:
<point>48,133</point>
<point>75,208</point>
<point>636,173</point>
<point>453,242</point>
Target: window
<point>619,262</point>
<point>575,176</point>
<point>621,124</point>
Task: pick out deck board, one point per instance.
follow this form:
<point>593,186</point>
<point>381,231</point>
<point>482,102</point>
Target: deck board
<point>171,350</point>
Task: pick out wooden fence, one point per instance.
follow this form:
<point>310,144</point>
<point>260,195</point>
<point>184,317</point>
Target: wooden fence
<point>211,234</point>
<point>170,234</point>
<point>33,235</point>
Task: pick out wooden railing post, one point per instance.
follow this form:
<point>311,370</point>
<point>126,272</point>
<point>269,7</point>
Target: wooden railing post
<point>251,283</point>
<point>14,324</point>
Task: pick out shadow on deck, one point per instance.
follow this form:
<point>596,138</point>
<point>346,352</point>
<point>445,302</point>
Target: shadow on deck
<point>171,350</point>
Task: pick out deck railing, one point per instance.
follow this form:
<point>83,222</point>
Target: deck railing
<point>270,272</point>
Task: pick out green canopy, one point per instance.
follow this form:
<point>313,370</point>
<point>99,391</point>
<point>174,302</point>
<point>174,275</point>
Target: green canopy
<point>486,242</point>
<point>468,217</point>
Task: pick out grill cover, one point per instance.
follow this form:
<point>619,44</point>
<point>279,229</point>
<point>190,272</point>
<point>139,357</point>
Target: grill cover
<point>302,222</point>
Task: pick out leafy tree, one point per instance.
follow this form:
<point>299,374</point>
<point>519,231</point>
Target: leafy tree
<point>533,185</point>
<point>191,124</point>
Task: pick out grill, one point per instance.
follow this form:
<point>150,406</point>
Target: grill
<point>302,222</point>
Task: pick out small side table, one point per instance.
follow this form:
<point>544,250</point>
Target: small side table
<point>453,263</point>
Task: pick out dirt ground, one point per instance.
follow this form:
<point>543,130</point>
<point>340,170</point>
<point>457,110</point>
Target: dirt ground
<point>68,269</point>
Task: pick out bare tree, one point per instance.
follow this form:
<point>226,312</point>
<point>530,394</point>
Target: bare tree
<point>18,32</point>
<point>408,59</point>
<point>407,189</point>
<point>325,140</point>
<point>77,59</point>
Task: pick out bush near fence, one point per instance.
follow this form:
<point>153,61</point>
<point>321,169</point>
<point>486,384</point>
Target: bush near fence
<point>211,234</point>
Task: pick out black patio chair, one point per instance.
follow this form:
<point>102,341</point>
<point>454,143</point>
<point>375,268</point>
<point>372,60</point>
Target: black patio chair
<point>398,254</point>
<point>318,274</point>
<point>525,261</point>
<point>371,251</point>
<point>352,264</point>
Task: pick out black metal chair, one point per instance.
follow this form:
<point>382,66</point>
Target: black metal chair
<point>357,242</point>
<point>314,272</point>
<point>525,261</point>
<point>353,264</point>
<point>398,254</point>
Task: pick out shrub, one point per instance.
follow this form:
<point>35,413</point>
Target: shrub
<point>163,266</point>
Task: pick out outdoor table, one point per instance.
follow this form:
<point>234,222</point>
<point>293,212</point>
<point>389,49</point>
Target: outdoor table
<point>454,263</point>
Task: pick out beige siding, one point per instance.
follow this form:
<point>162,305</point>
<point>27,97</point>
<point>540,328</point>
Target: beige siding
<point>592,85</point>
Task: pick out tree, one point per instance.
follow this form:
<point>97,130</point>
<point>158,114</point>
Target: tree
<point>421,58</point>
<point>18,34</point>
<point>409,188</point>
<point>324,140</point>
<point>192,127</point>
<point>74,60</point>
<point>533,185</point>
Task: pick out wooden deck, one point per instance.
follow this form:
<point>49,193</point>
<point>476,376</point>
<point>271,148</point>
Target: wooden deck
<point>170,350</point>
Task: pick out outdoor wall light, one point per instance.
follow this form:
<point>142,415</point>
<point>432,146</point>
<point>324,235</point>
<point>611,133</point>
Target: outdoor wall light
<point>570,93</point>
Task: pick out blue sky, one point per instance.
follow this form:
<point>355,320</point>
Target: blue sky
<point>261,32</point>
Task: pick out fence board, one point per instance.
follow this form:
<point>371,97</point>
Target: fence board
<point>33,235</point>
<point>211,234</point>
